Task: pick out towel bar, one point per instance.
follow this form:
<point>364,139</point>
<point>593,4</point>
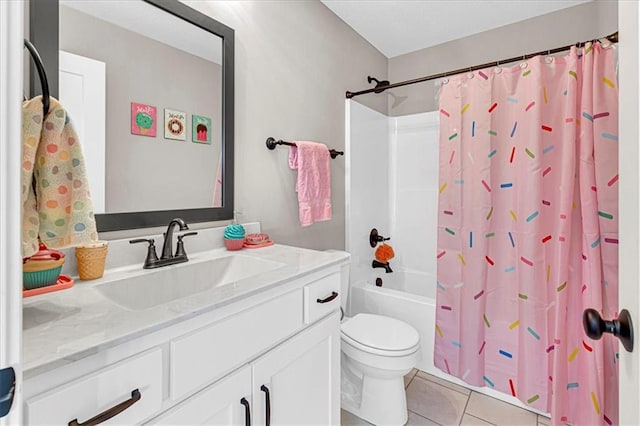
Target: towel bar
<point>272,143</point>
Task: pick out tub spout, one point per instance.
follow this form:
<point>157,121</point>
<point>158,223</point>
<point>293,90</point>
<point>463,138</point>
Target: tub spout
<point>385,265</point>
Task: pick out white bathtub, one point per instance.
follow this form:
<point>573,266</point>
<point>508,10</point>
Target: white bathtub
<point>410,296</point>
<point>406,295</point>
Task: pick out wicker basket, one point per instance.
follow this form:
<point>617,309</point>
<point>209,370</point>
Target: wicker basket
<point>90,261</point>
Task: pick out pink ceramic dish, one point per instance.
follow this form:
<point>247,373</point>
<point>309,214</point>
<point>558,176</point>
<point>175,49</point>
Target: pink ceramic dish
<point>62,283</point>
<point>234,244</point>
<point>257,238</point>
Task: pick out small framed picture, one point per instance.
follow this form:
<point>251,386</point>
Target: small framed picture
<point>175,124</point>
<point>143,119</point>
<point>200,129</point>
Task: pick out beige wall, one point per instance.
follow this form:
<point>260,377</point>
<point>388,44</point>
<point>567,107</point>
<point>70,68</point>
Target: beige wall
<point>579,23</point>
<point>294,61</point>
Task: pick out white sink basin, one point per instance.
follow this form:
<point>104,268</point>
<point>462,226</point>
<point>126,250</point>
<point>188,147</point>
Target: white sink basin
<point>169,283</point>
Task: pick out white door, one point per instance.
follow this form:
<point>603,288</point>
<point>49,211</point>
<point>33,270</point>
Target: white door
<point>298,383</point>
<point>629,250</point>
<point>227,402</point>
<point>11,87</point>
<point>83,93</point>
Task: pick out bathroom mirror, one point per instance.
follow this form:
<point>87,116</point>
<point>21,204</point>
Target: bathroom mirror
<point>167,73</point>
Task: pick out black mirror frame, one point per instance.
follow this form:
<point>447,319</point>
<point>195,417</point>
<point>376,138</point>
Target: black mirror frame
<point>43,23</point>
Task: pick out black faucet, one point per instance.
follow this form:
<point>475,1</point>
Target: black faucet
<point>385,265</point>
<point>167,258</point>
<point>167,247</point>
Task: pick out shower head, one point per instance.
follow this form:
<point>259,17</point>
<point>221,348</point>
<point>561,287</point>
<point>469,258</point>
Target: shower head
<point>379,84</point>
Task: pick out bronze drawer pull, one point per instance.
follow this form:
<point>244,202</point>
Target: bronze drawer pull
<point>111,412</point>
<point>328,299</point>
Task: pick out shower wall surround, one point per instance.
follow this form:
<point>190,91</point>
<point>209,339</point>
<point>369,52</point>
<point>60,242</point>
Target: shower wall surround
<point>367,185</point>
<point>392,185</point>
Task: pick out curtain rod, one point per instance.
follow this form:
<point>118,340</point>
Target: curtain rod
<point>612,38</point>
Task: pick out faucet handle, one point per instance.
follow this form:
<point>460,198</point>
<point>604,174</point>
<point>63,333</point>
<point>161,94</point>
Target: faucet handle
<point>180,246</point>
<point>187,235</point>
<point>142,240</point>
<point>375,238</point>
<point>152,257</point>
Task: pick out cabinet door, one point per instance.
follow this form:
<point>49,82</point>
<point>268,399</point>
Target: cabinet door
<point>226,402</point>
<point>301,378</point>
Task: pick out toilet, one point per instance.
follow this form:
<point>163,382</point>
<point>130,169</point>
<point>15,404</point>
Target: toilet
<point>376,353</point>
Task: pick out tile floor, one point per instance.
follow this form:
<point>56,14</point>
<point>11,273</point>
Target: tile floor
<point>433,401</point>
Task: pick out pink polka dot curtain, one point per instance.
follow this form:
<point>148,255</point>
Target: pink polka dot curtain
<point>528,232</point>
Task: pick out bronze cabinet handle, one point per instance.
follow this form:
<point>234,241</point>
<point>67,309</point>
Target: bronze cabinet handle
<point>247,411</point>
<point>328,299</point>
<point>111,412</point>
<point>267,413</point>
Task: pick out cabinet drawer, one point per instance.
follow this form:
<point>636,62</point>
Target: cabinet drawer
<point>85,398</point>
<point>321,297</point>
<point>208,353</point>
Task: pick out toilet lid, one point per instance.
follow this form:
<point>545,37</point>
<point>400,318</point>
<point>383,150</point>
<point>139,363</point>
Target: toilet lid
<point>379,332</point>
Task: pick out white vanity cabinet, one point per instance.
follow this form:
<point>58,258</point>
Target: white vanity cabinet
<point>296,383</point>
<point>212,368</point>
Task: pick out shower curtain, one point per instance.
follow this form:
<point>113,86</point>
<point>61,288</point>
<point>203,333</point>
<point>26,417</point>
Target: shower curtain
<point>528,232</point>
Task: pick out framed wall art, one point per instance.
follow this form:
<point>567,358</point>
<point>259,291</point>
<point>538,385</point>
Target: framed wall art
<point>175,124</point>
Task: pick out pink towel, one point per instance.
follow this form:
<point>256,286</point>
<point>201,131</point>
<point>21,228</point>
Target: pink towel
<point>311,159</point>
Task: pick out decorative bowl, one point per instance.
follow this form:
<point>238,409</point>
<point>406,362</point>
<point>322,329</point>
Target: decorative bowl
<point>42,269</point>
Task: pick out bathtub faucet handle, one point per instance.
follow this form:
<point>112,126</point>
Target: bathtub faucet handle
<point>375,238</point>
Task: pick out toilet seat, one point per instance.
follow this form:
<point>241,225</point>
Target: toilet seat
<point>380,335</point>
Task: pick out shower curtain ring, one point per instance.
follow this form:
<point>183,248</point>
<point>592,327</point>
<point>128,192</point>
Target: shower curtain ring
<point>523,64</point>
<point>497,69</point>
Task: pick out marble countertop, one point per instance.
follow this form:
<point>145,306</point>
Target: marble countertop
<point>73,323</point>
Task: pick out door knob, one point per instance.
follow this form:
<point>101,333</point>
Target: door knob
<point>622,327</point>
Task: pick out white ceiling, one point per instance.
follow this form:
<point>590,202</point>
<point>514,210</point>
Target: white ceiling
<point>403,26</point>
